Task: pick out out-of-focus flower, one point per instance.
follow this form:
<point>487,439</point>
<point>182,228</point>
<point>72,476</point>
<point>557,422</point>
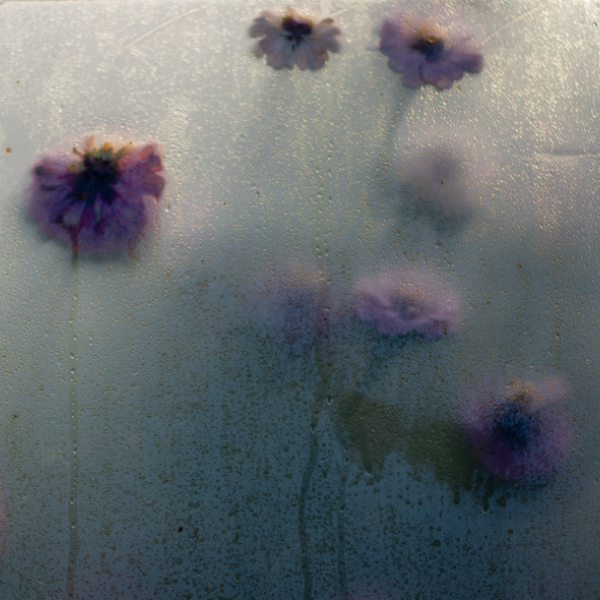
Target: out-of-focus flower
<point>407,300</point>
<point>101,201</point>
<point>424,50</point>
<point>294,40</point>
<point>446,170</point>
<point>297,304</point>
<point>519,431</point>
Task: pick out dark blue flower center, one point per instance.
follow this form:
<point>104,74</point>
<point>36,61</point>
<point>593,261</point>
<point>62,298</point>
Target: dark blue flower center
<point>431,47</point>
<point>296,31</point>
<point>96,178</point>
<point>515,425</point>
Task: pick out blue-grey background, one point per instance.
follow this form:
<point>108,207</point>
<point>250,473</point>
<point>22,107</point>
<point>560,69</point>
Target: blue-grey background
<point>157,441</point>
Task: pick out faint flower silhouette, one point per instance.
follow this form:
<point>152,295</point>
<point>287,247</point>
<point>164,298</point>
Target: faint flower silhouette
<point>297,303</point>
<point>446,171</point>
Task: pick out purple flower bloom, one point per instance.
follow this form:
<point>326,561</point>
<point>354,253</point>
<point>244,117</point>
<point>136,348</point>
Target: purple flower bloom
<point>407,300</point>
<point>294,40</point>
<point>519,431</point>
<point>100,202</point>
<point>297,304</point>
<point>426,52</point>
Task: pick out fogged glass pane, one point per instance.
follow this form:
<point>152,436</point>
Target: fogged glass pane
<point>319,374</point>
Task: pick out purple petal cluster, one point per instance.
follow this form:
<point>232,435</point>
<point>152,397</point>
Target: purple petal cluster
<point>520,432</point>
<point>406,300</point>
<point>297,304</point>
<point>101,201</point>
<point>426,52</point>
<point>294,40</point>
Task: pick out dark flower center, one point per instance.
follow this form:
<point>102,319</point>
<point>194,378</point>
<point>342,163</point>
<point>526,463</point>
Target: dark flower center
<point>296,31</point>
<point>431,47</point>
<point>96,177</point>
<point>515,425</point>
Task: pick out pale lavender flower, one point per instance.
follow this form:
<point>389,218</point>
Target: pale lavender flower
<point>519,431</point>
<point>407,300</point>
<point>294,40</point>
<point>99,201</point>
<point>425,51</point>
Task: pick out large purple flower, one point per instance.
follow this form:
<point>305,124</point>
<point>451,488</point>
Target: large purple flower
<point>519,431</point>
<point>406,300</point>
<point>101,201</point>
<point>294,40</point>
<point>426,52</point>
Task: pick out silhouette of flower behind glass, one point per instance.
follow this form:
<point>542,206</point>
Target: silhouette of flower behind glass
<point>102,201</point>
<point>445,171</point>
<point>294,40</point>
<point>297,304</point>
<point>426,52</point>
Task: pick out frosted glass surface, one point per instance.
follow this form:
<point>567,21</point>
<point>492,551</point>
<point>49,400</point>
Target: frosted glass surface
<point>160,441</point>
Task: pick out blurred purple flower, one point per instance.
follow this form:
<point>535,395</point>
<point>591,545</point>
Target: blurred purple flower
<point>519,431</point>
<point>297,303</point>
<point>102,201</point>
<point>294,40</point>
<point>407,300</point>
<point>425,52</point>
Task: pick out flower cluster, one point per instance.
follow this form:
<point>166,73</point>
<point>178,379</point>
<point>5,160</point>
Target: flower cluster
<point>519,431</point>
<point>294,40</point>
<point>407,300</point>
<point>425,51</point>
<point>102,201</point>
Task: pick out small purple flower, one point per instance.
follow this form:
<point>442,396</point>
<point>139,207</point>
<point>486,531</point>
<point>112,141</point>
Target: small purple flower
<point>519,431</point>
<point>100,202</point>
<point>297,303</point>
<point>407,300</point>
<point>294,40</point>
<point>426,52</point>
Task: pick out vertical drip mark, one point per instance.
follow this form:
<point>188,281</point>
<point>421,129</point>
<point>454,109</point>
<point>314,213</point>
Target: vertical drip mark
<point>74,433</point>
<point>324,361</point>
<point>304,489</point>
<point>326,189</point>
<point>490,488</point>
<point>341,534</point>
<point>324,355</point>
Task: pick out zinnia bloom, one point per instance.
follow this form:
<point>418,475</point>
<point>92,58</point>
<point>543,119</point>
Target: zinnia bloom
<point>294,40</point>
<point>407,300</point>
<point>424,51</point>
<point>519,431</point>
<point>101,201</point>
